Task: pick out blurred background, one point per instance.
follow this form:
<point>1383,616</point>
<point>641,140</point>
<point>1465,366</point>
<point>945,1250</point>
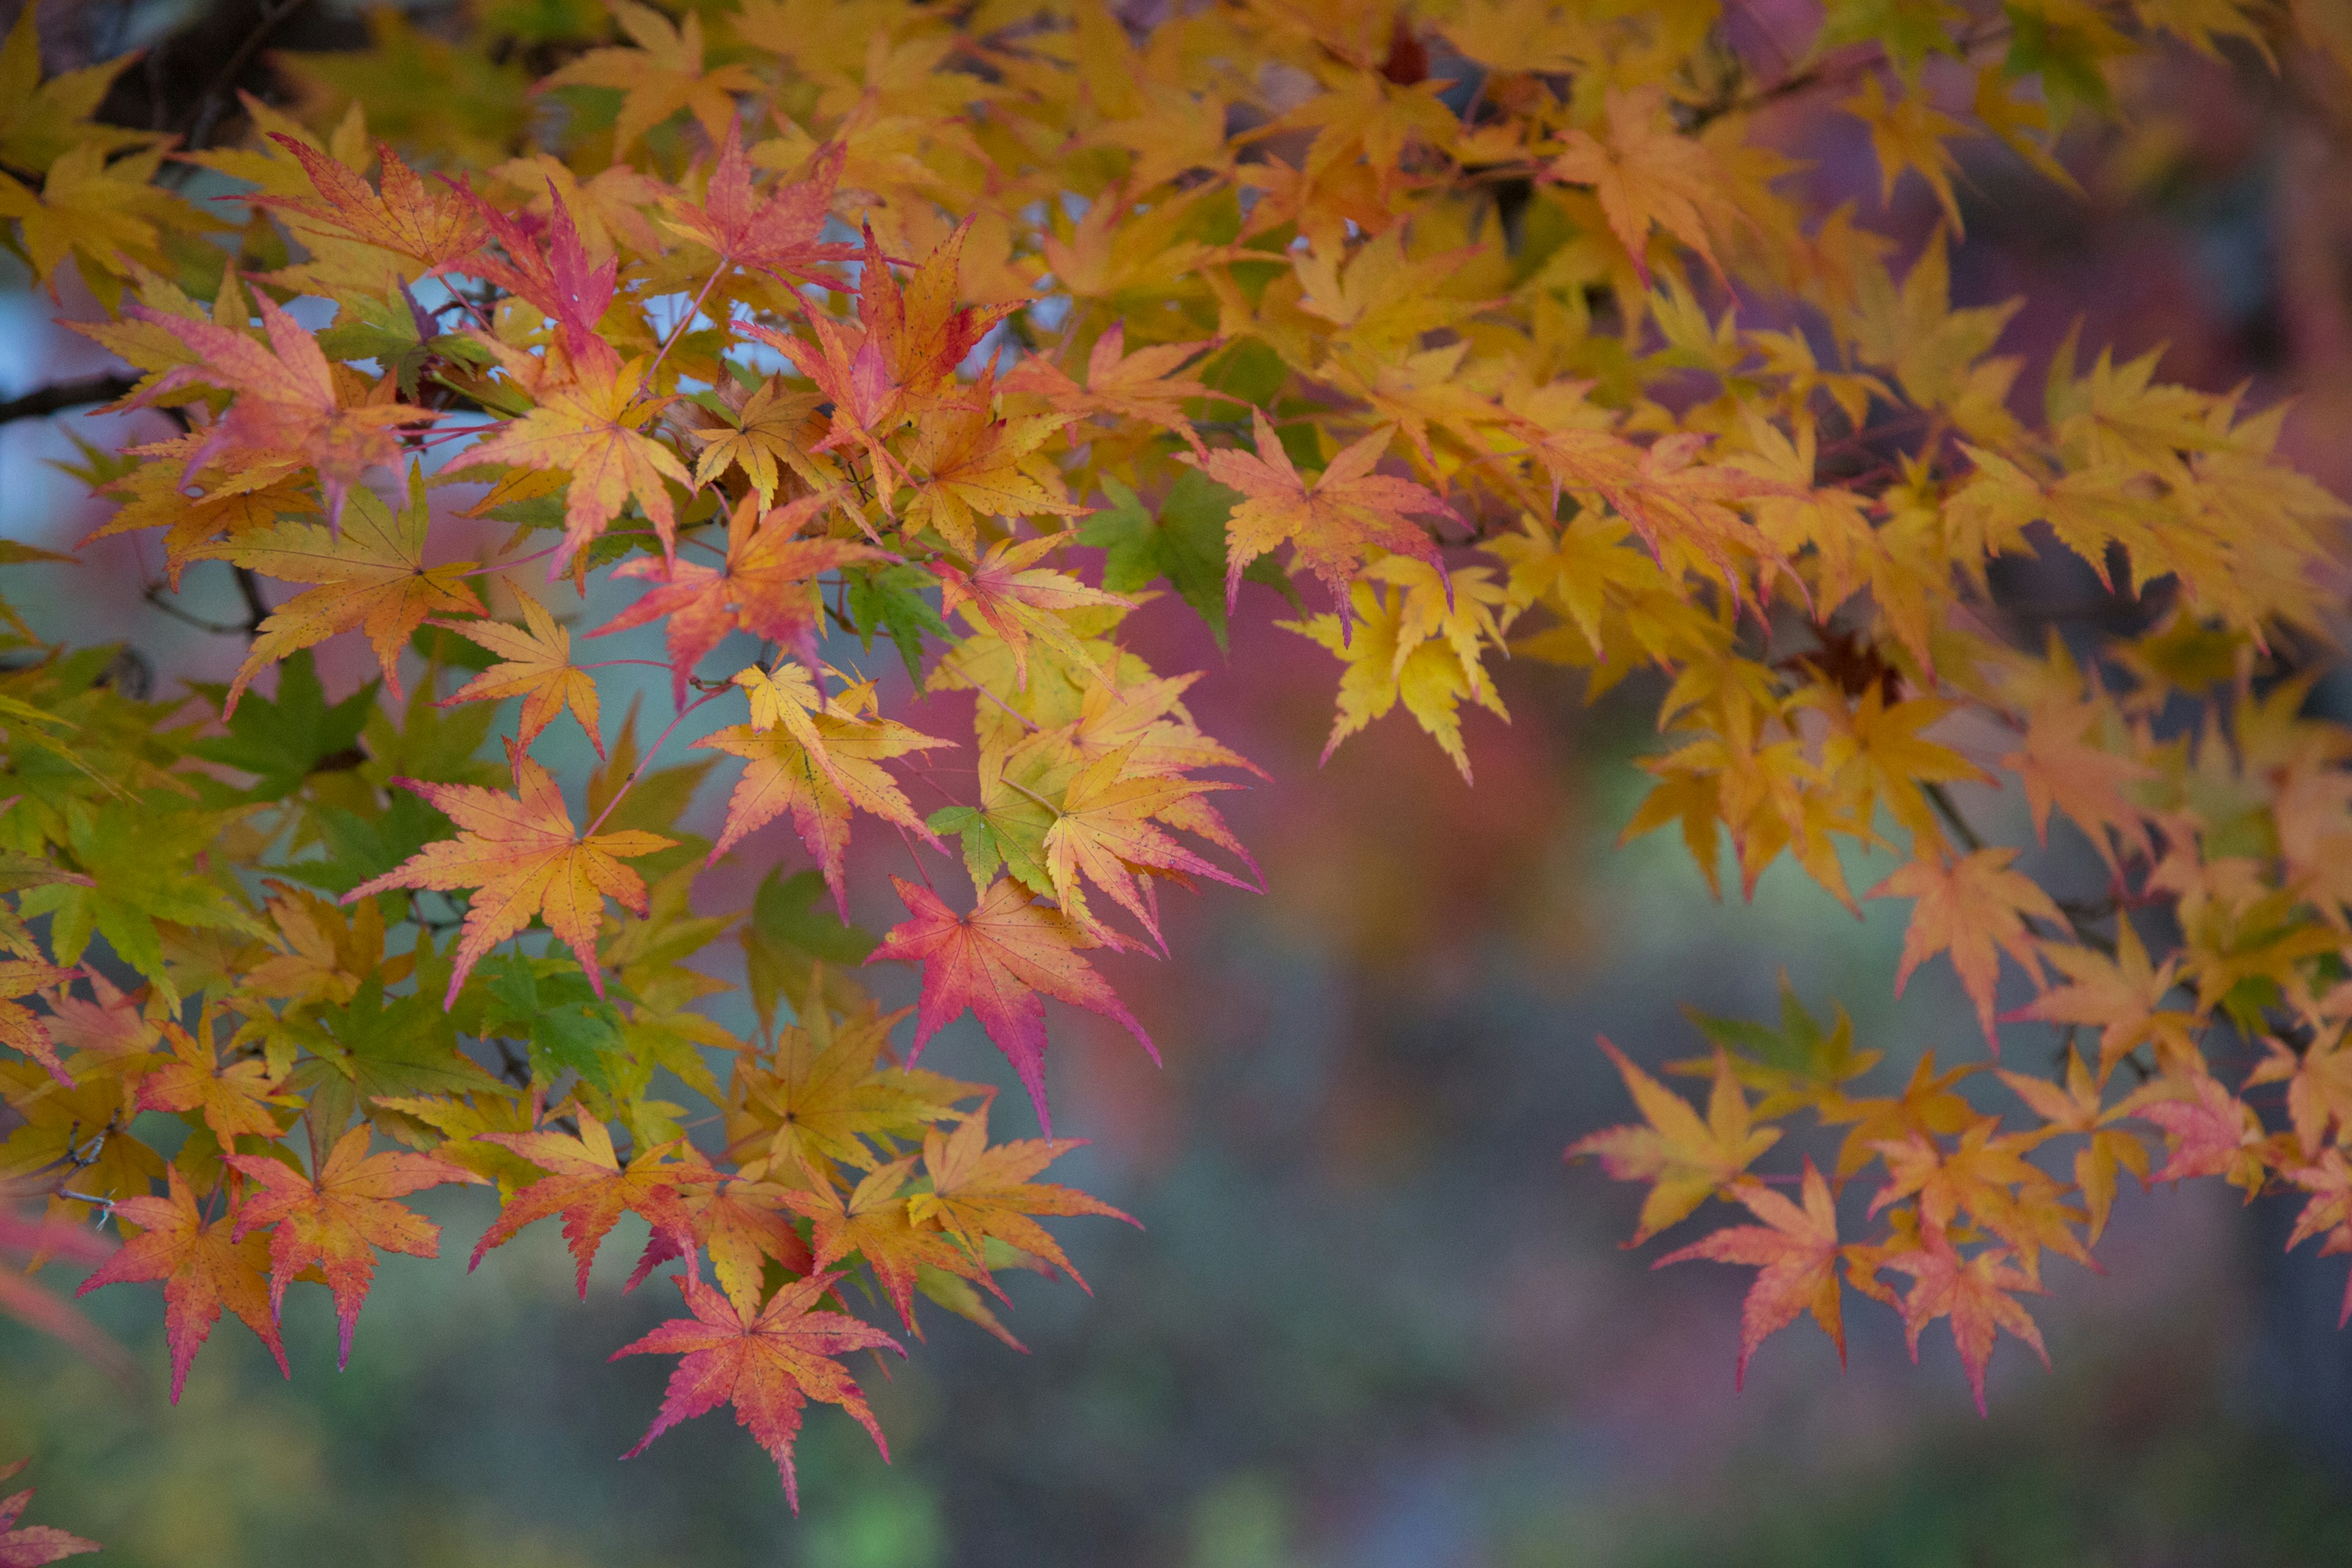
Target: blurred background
<point>1371,1320</point>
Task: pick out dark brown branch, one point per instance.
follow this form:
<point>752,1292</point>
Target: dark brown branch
<point>56,399</point>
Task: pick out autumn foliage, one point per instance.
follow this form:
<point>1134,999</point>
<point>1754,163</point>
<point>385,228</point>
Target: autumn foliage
<point>884,349</point>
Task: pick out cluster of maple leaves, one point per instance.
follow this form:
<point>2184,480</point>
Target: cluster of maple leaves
<point>1501,321</point>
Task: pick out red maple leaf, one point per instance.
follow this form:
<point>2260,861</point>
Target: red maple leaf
<point>1795,1253</point>
<point>768,587</point>
<point>568,287</point>
<point>776,235</point>
<point>1977,1293</point>
<point>32,1545</point>
<point>768,1363</point>
<point>205,1267</point>
<point>1001,961</point>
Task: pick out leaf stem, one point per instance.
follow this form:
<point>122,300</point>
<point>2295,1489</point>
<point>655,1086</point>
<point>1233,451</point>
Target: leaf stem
<point>651,752</point>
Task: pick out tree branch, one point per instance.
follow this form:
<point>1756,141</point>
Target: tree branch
<point>58,396</point>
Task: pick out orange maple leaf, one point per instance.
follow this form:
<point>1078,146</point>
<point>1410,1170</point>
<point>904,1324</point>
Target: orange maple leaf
<point>233,1100</point>
<point>1647,173</point>
<point>589,1186</point>
<point>815,755</point>
<point>872,1222</point>
<point>769,1363</point>
<point>768,587</point>
<point>1687,1161</point>
<point>979,1191</point>
<point>1001,961</point>
<point>1795,1251</point>
<point>203,1267</point>
<point>2075,1110</point>
<point>337,1219</point>
<point>1104,829</point>
<point>22,1027</point>
<point>430,228</point>
<point>535,664</point>
<point>523,855</point>
<point>594,428</point>
<point>1141,386</point>
<point>1331,523</point>
<point>1976,908</point>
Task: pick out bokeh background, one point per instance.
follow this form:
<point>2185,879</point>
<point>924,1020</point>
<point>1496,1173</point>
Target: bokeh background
<point>1370,1320</point>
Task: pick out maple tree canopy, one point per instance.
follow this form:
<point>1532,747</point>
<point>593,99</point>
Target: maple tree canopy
<point>881,354</point>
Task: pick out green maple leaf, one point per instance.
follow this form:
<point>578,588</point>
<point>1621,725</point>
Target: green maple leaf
<point>282,740</point>
<point>373,1047</point>
<point>1184,545</point>
<point>548,1003</point>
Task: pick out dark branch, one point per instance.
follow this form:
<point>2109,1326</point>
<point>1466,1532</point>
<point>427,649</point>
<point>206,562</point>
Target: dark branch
<point>42,402</point>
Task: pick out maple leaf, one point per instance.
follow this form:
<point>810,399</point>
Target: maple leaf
<point>289,409</point>
<point>979,1191</point>
<point>234,1100</point>
<point>815,755</point>
<point>661,75</point>
<point>1418,636</point>
<point>2328,1179</point>
<point>776,235</point>
<point>919,330</point>
<point>966,463</point>
<point>768,587</point>
<point>1687,1161</point>
<point>409,218</point>
<point>2121,997</point>
<point>2318,1084</point>
<point>2076,1109</point>
<point>204,1265</point>
<point>22,1027</point>
<point>744,1226</point>
<point>873,1223</point>
<point>1988,1176</point>
<point>535,664</point>
<point>1926,1106</point>
<point>1330,523</point>
<point>1647,173</point>
<point>589,1186</point>
<point>594,430</point>
<point>570,288</point>
<point>769,1363</point>
<point>372,578</point>
<point>32,1545</point>
<point>522,855</point>
<point>1105,830</point>
<point>828,1090</point>
<point>1795,1252</point>
<point>1970,906</point>
<point>1141,386</point>
<point>1003,592</point>
<point>1977,1294</point>
<point>2212,1133</point>
<point>1001,961</point>
<point>765,431</point>
<point>336,1218</point>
